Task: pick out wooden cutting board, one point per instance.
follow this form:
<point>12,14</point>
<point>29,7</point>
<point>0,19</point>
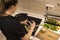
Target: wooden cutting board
<point>48,35</point>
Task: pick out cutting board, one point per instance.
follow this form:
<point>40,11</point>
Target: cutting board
<point>47,35</point>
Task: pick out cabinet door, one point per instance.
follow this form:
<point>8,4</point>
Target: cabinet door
<point>1,5</point>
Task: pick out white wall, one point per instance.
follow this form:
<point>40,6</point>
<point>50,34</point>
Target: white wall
<point>31,6</point>
<point>38,6</point>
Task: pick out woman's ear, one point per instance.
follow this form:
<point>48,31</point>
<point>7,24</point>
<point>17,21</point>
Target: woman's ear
<point>12,9</point>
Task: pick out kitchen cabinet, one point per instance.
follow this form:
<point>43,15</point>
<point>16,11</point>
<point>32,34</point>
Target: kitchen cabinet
<point>1,5</point>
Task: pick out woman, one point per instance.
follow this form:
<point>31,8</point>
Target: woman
<point>9,25</point>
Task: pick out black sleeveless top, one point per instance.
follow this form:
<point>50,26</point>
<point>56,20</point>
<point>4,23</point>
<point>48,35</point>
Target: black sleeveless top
<point>11,28</point>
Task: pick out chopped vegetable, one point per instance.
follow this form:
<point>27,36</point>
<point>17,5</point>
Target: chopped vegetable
<point>49,26</point>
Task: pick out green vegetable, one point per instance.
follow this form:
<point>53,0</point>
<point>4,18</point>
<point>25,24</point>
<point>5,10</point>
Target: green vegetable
<point>49,26</point>
<point>51,21</point>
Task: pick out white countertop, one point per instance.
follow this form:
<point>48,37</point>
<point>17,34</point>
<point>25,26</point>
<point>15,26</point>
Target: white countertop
<point>34,38</point>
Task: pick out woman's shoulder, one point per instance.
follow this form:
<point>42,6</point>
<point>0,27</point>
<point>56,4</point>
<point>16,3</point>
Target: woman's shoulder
<point>3,18</point>
<point>6,16</point>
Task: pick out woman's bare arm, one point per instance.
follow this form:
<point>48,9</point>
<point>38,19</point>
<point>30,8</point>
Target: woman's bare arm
<point>27,36</point>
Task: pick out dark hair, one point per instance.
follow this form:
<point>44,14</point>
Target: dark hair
<point>9,3</point>
<point>21,17</point>
<point>6,4</point>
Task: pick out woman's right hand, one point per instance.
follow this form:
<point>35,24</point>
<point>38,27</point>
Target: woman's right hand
<point>27,36</point>
<point>32,24</point>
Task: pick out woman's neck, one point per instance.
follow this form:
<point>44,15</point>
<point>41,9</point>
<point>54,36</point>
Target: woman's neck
<point>7,13</point>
